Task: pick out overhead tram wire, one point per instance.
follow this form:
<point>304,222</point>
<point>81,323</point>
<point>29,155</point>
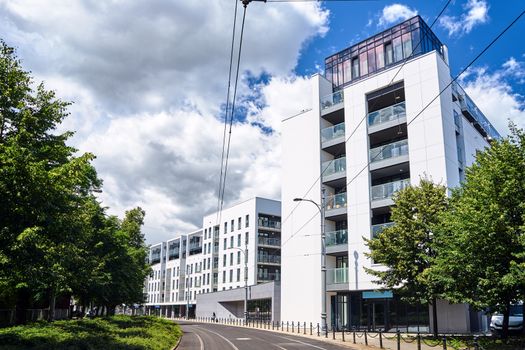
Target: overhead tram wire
<point>232,114</point>
<point>428,104</point>
<point>219,195</point>
<point>342,145</point>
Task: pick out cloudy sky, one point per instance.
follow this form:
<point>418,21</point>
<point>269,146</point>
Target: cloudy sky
<point>148,80</point>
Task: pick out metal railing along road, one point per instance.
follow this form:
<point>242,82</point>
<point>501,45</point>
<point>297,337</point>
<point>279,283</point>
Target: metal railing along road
<point>387,114</point>
<point>391,150</point>
<point>333,132</point>
<point>385,191</point>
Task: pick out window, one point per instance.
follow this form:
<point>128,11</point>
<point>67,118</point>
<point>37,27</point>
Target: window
<point>231,259</point>
<point>238,275</point>
<point>231,241</point>
<point>238,257</point>
<point>246,238</point>
<point>239,240</point>
<point>355,68</point>
<point>371,61</point>
<point>398,49</point>
<point>239,224</point>
<point>225,241</point>
<point>347,74</point>
<point>389,55</point>
<point>380,57</point>
<point>223,277</point>
<point>209,263</point>
<point>407,45</point>
<point>224,260</point>
<point>232,225</point>
<point>225,227</point>
<point>247,221</point>
<point>231,275</point>
<point>363,61</point>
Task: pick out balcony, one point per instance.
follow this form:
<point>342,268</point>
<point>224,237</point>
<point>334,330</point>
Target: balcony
<point>332,102</point>
<point>332,135</point>
<point>195,249</point>
<point>269,259</point>
<point>336,242</point>
<point>337,279</point>
<point>335,206</point>
<point>379,227</point>
<point>387,117</point>
<point>265,222</point>
<point>271,242</point>
<point>382,194</point>
<point>334,170</point>
<point>268,277</point>
<point>389,154</point>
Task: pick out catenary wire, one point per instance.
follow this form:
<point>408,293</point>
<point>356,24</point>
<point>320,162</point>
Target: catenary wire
<point>226,111</point>
<point>427,105</point>
<point>343,145</point>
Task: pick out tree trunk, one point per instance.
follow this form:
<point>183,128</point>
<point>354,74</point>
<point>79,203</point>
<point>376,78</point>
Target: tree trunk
<point>505,329</point>
<point>52,303</point>
<point>435,317</point>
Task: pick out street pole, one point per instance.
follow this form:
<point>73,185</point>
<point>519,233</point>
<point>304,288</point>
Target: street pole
<point>323,254</point>
<point>245,282</point>
<point>187,305</point>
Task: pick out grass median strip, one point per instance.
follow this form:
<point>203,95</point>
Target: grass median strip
<point>111,333</point>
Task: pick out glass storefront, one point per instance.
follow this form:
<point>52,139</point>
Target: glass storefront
<point>377,311</point>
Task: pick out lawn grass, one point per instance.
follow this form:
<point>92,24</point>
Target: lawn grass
<point>111,333</point>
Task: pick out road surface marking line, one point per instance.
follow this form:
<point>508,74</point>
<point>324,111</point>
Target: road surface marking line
<point>198,337</point>
<point>265,341</point>
<point>298,341</point>
<point>229,342</point>
<point>243,338</point>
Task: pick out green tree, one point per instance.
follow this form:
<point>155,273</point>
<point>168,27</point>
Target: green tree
<point>481,258</point>
<point>407,247</point>
<point>42,185</point>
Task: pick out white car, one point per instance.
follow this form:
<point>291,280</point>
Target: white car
<point>515,321</point>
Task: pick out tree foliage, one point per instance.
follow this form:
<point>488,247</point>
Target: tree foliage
<point>407,248</point>
<point>55,238</point>
<point>482,244</point>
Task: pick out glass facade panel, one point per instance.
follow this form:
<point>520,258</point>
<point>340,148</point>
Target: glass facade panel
<point>355,68</point>
<point>398,49</point>
<point>407,44</point>
<point>363,62</point>
<point>380,57</point>
<point>371,61</point>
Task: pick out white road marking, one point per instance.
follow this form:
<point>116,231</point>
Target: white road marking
<point>229,342</point>
<point>200,339</point>
<point>243,338</point>
<point>298,341</point>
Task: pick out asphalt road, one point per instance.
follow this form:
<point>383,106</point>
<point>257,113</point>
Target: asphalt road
<point>206,336</point>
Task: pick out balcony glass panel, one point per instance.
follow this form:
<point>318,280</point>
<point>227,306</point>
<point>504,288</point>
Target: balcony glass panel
<point>334,166</point>
<point>332,99</point>
<point>336,201</point>
<point>270,222</point>
<point>276,242</point>
<point>391,150</point>
<point>387,114</point>
<point>379,227</point>
<point>272,259</point>
<point>269,276</point>
<point>336,238</point>
<point>337,276</point>
<point>385,191</point>
<point>333,132</point>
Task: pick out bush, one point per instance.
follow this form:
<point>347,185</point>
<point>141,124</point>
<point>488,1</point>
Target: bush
<point>111,333</point>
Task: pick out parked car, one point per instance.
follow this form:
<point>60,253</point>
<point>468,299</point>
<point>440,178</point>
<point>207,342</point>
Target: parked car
<point>515,321</point>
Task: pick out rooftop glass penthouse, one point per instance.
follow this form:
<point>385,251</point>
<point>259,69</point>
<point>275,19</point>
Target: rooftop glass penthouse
<point>381,51</point>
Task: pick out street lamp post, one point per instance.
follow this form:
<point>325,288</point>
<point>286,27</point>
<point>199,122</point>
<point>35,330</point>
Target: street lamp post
<point>245,279</point>
<point>323,254</point>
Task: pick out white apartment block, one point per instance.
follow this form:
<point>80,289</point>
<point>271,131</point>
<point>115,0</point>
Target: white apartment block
<point>368,135</point>
<point>212,259</point>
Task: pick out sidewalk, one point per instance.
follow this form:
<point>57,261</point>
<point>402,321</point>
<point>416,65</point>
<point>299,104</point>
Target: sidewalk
<point>363,340</point>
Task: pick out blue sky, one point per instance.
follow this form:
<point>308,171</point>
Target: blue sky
<point>147,79</point>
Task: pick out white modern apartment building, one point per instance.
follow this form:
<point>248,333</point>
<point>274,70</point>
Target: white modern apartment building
<point>242,240</point>
<point>369,134</point>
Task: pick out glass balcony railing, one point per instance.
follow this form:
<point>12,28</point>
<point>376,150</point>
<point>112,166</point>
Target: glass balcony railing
<point>269,223</point>
<point>275,242</point>
<point>332,99</point>
<point>379,227</point>
<point>269,276</point>
<point>387,114</point>
<point>271,259</point>
<point>385,191</point>
<point>391,150</point>
<point>334,166</point>
<point>332,132</point>
<point>337,276</point>
<point>336,238</point>
<point>336,201</point>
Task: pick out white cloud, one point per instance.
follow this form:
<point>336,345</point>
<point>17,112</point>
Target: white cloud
<point>477,12</point>
<point>148,79</point>
<point>394,13</point>
<point>494,95</point>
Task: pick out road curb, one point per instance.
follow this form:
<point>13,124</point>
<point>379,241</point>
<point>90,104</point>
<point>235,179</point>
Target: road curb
<point>178,342</point>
